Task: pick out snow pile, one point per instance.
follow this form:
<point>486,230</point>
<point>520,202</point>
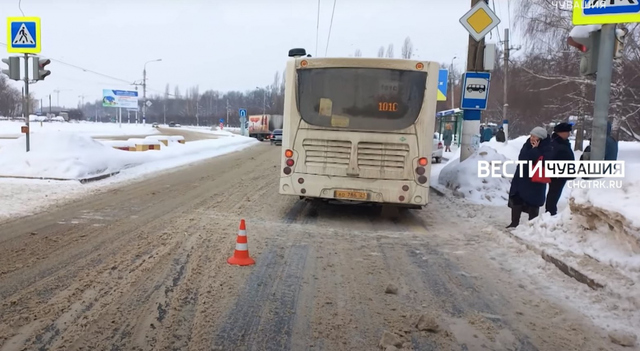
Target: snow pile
<point>75,156</point>
<point>462,178</point>
<point>11,129</point>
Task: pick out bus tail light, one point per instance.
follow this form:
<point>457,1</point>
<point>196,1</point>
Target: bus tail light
<point>289,162</point>
<point>423,161</point>
<point>422,179</point>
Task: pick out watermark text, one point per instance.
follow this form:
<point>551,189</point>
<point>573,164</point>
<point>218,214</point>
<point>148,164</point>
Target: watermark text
<point>552,169</point>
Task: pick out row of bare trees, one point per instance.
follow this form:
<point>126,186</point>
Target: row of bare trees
<point>193,107</point>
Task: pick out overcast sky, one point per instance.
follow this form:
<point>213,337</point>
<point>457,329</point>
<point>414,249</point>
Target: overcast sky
<point>227,45</point>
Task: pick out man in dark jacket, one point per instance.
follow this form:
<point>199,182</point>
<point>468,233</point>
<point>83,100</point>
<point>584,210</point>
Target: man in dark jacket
<point>526,195</point>
<point>500,137</point>
<point>561,151</point>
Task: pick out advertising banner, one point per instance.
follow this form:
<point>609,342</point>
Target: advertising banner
<point>120,98</point>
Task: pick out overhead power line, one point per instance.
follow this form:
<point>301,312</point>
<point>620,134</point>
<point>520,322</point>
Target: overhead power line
<point>330,26</point>
<point>94,72</point>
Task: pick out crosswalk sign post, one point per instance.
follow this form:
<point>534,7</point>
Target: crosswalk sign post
<point>243,120</point>
<point>23,35</point>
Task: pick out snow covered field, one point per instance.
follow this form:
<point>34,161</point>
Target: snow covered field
<point>75,156</point>
<point>11,129</point>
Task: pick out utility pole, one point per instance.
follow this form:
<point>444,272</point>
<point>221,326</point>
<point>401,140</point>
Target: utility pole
<point>507,50</point>
<point>50,104</point>
<point>227,111</point>
<point>506,78</point>
<point>144,94</point>
<point>26,97</point>
<point>471,123</point>
<point>452,82</point>
<point>603,91</point>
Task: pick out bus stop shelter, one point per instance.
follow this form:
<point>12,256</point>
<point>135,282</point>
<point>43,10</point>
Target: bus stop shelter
<point>453,117</point>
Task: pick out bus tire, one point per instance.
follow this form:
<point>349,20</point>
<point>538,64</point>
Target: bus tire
<point>438,160</point>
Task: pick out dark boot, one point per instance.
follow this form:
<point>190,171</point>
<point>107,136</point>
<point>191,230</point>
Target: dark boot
<point>533,212</point>
<point>516,212</point>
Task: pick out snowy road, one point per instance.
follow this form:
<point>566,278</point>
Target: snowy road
<point>144,267</point>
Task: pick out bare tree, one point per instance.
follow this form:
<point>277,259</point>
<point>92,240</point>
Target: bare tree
<point>381,51</point>
<point>407,48</point>
<point>390,51</point>
<point>358,53</point>
<point>176,92</point>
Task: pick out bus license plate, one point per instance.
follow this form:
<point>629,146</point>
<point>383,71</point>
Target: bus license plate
<point>345,194</point>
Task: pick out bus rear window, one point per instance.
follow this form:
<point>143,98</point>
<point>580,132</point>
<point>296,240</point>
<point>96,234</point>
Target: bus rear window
<point>360,98</point>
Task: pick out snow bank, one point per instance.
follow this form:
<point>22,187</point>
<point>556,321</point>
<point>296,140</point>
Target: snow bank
<point>74,156</point>
<point>11,129</point>
<point>462,178</point>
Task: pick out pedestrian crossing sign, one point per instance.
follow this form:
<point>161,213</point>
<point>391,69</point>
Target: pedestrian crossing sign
<point>587,12</point>
<point>23,35</point>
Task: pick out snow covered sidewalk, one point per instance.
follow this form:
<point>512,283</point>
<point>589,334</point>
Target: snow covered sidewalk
<point>595,237</point>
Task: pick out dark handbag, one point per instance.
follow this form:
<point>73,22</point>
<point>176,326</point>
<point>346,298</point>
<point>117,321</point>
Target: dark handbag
<point>538,179</point>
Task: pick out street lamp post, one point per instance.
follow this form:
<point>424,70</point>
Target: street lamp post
<point>452,82</point>
<point>264,100</point>
<point>144,89</point>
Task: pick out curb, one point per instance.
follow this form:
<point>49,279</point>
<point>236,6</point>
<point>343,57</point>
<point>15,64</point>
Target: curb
<point>562,266</point>
<point>437,191</point>
<point>82,180</point>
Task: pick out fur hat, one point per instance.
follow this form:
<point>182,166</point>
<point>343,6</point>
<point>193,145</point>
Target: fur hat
<point>562,127</point>
<point>539,132</point>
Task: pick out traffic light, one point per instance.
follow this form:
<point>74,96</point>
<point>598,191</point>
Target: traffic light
<point>589,48</point>
<point>621,36</point>
<point>14,67</point>
<point>39,73</point>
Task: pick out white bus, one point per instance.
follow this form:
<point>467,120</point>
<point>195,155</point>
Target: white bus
<point>358,129</point>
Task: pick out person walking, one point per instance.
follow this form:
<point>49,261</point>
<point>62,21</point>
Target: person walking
<point>500,137</point>
<point>527,193</point>
<point>487,134</point>
<point>447,138</point>
<point>561,151</point>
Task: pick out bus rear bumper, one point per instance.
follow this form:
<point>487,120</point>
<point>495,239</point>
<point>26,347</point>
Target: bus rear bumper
<point>400,192</point>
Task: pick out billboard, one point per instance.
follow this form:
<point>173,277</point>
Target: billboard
<point>120,98</point>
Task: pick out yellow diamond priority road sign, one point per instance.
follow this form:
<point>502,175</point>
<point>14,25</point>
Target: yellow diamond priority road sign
<point>479,21</point>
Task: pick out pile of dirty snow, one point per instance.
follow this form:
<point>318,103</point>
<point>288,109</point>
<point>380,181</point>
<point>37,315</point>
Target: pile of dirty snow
<point>462,178</point>
<point>67,155</point>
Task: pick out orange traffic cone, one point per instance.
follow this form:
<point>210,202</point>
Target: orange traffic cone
<point>241,254</point>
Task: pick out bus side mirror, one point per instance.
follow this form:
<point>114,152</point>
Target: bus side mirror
<point>297,52</point>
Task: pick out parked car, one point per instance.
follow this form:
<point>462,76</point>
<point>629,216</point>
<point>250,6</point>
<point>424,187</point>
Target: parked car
<point>438,148</point>
<point>172,124</point>
<point>155,125</point>
<point>276,137</point>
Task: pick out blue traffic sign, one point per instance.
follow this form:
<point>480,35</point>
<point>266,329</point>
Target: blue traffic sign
<point>475,90</point>
<point>221,120</point>
<point>606,12</point>
<point>242,112</point>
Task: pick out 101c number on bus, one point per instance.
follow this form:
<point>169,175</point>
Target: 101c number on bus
<point>388,106</point>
